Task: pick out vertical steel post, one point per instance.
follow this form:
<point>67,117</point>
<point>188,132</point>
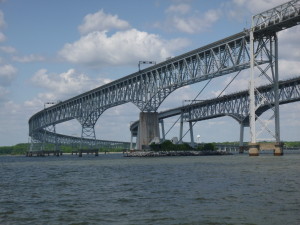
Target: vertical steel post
<point>162,129</point>
<point>251,89</point>
<point>181,128</point>
<point>276,92</point>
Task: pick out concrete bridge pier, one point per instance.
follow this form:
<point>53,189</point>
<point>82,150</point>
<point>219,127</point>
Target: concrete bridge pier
<point>148,129</point>
<point>192,134</point>
<point>162,130</point>
<point>253,149</point>
<point>278,150</point>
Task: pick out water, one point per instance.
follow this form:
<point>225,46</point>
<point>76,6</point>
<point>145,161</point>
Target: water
<point>110,189</point>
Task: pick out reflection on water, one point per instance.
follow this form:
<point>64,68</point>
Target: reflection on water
<point>110,189</point>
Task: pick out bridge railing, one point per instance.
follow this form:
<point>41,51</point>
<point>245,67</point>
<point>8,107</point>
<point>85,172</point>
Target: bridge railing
<point>281,17</point>
<point>148,88</point>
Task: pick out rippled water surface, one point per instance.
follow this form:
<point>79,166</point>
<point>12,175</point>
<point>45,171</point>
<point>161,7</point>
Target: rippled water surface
<point>111,189</point>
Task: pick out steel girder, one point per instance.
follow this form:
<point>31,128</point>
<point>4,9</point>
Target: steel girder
<point>280,17</point>
<point>76,141</point>
<point>149,87</point>
<point>237,105</point>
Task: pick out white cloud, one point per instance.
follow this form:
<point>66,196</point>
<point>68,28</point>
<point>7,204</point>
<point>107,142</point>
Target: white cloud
<point>3,93</point>
<point>289,44</point>
<point>100,21</point>
<point>2,21</point>
<point>177,98</point>
<point>8,49</point>
<point>288,69</point>
<point>7,74</point>
<point>180,8</point>
<point>257,6</point>
<point>14,120</point>
<point>97,49</point>
<point>28,58</point>
<point>2,37</point>
<point>182,18</point>
<point>64,85</point>
<point>195,24</point>
<point>237,9</point>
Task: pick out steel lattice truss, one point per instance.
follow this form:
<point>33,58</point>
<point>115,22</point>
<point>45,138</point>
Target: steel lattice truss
<point>280,17</point>
<point>148,88</point>
<point>237,105</point>
<point>52,137</point>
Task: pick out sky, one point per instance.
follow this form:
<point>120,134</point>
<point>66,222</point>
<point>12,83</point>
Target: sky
<point>53,50</point>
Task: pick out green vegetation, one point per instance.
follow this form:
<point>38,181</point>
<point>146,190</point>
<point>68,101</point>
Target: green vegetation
<point>169,146</point>
<point>21,149</point>
<point>207,147</point>
<point>292,144</point>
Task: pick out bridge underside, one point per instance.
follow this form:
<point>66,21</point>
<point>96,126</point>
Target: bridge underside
<point>148,88</point>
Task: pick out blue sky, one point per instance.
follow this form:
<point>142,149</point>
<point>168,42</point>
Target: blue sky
<point>54,50</point>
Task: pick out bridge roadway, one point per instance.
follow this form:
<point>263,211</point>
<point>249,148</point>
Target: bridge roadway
<point>235,105</point>
<point>148,88</point>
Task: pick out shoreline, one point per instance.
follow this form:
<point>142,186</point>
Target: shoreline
<point>173,153</point>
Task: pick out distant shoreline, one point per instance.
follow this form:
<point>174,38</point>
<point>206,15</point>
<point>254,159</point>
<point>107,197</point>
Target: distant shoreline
<point>173,153</point>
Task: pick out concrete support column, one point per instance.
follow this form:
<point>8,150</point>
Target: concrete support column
<point>181,128</point>
<point>162,129</point>
<point>148,128</point>
<point>131,141</point>
<point>137,138</point>
<point>192,134</point>
<point>241,145</point>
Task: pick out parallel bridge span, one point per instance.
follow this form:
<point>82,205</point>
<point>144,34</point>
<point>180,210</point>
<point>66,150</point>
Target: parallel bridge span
<point>149,87</point>
<point>235,105</point>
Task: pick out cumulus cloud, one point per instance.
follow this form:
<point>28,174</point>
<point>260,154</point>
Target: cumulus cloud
<point>3,93</point>
<point>195,24</point>
<point>100,21</point>
<point>64,85</point>
<point>2,21</point>
<point>182,18</point>
<point>8,49</point>
<point>2,37</point>
<point>257,6</point>
<point>289,43</point>
<point>97,49</point>
<point>238,9</point>
<point>180,8</point>
<point>28,58</point>
<point>7,74</point>
<point>2,24</point>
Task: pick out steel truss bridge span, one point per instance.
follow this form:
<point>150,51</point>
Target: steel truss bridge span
<point>148,88</point>
<point>235,105</point>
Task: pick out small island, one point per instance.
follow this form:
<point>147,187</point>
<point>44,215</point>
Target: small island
<point>167,148</point>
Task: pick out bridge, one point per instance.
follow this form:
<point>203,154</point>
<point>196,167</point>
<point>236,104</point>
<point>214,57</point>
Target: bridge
<point>235,105</point>
<point>254,48</point>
